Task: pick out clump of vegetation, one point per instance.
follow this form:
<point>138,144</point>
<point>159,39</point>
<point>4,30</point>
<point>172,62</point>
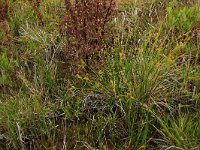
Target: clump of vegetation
<point>35,6</point>
<point>56,94</point>
<point>4,28</point>
<point>85,22</point>
<point>183,17</point>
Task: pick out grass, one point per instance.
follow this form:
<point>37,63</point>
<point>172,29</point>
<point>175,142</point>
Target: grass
<point>143,95</point>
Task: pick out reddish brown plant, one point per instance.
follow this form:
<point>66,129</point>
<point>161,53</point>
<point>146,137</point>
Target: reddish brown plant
<point>3,20</point>
<point>35,4</point>
<point>85,23</point>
